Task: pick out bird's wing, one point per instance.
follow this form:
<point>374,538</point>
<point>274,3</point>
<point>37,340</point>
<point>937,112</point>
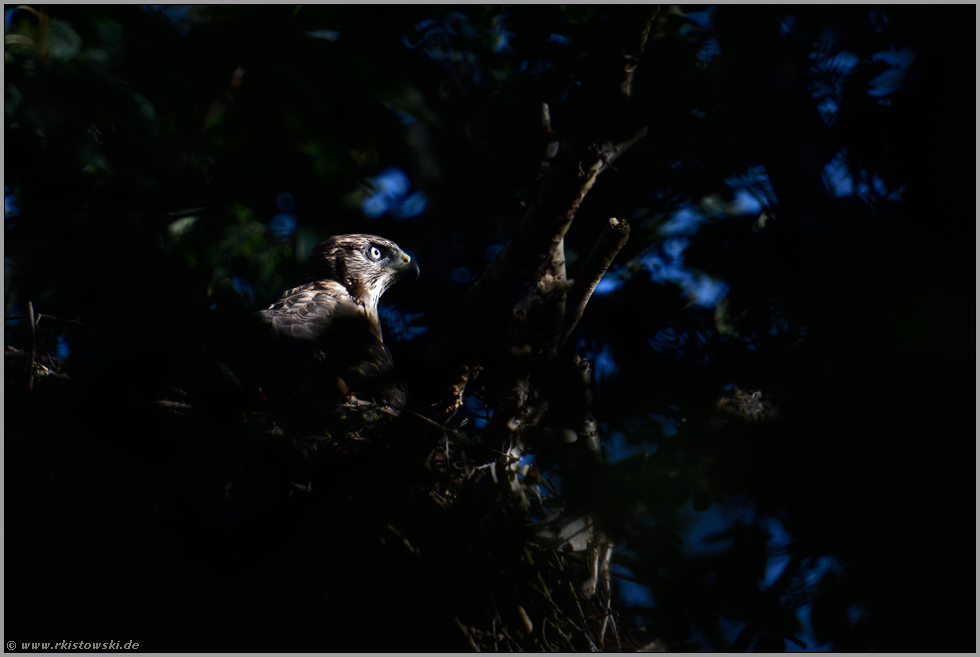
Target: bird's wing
<point>308,311</point>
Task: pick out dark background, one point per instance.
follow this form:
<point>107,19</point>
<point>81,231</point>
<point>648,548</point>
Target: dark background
<point>802,217</point>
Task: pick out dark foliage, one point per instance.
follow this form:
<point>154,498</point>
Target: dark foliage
<point>778,365</point>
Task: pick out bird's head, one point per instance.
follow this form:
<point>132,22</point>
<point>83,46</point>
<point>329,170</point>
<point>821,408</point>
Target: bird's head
<point>366,265</point>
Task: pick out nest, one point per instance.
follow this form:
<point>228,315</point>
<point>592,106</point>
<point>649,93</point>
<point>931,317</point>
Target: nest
<point>480,529</point>
<point>550,580</point>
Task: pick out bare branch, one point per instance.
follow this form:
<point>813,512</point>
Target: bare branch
<point>539,234</point>
<point>606,248</point>
<point>30,369</point>
<point>633,50</point>
<point>39,317</point>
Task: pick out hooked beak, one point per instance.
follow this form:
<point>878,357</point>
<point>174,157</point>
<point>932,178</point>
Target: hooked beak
<point>407,268</point>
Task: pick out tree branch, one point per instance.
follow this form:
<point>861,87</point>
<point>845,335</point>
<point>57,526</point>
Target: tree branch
<point>611,240</point>
<point>632,51</point>
<point>30,368</point>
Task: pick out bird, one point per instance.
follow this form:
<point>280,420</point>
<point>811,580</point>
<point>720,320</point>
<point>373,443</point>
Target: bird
<point>330,319</point>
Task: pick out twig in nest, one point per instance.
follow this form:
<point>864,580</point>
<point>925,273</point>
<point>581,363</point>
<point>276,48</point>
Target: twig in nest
<point>544,636</point>
<point>507,635</point>
<point>607,620</point>
<point>463,436</point>
<point>547,593</point>
<point>355,404</point>
<point>438,499</point>
<point>466,633</point>
<point>411,549</point>
<point>581,614</point>
<point>165,403</point>
<point>612,623</point>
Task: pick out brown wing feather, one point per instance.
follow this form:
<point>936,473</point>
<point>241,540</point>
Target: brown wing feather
<point>306,312</point>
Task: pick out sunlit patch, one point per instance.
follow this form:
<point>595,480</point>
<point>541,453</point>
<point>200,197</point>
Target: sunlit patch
<point>698,22</point>
<point>745,202</point>
<point>836,176</point>
<point>708,532</point>
<point>283,225</point>
<point>603,365</point>
<point>412,206</point>
<point>611,281</point>
<point>618,447</point>
<point>828,108</point>
<point>842,63</point>
<point>756,181</point>
<point>668,425</point>
<point>61,351</point>
<point>491,251</point>
<point>499,33</point>
<point>630,593</point>
<point>803,614</point>
<point>180,16</point>
<point>774,568</point>
<point>685,221</point>
<point>887,83</point>
<point>390,193</point>
<point>827,76</point>
<point>667,265</point>
<point>8,16</point>
<point>244,288</point>
<point>477,412</point>
<point>815,570</point>
<point>665,262</point>
<point>708,52</point>
<point>901,58</point>
<point>10,208</point>
<point>400,326</point>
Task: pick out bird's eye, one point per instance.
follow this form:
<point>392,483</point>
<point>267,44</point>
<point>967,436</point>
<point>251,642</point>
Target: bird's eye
<point>375,253</point>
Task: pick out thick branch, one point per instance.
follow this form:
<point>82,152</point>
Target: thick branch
<point>633,50</point>
<point>546,221</point>
<point>611,240</point>
<point>596,130</point>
